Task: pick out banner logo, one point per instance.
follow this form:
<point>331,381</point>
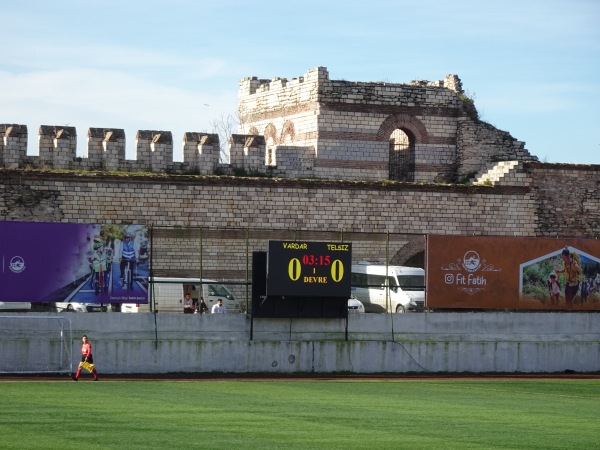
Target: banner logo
<point>17,264</point>
<point>471,261</point>
<point>465,276</point>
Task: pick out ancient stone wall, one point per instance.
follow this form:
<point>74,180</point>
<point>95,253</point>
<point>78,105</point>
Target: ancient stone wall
<point>186,201</point>
<point>180,202</point>
<point>309,127</point>
<point>350,124</point>
<point>303,133</point>
<point>481,145</point>
<point>106,150</point>
<point>13,145</point>
<point>567,198</point>
<point>383,220</point>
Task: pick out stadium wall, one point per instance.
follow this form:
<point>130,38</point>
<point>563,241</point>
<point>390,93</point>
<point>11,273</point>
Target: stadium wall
<point>376,343</point>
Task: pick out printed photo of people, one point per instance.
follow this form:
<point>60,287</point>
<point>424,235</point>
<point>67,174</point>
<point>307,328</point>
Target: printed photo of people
<point>565,279</point>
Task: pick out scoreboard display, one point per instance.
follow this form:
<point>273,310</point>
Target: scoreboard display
<point>309,269</point>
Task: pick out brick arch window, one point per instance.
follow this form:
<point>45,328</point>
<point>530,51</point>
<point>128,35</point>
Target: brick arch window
<point>402,132</point>
<point>270,132</point>
<point>271,142</point>
<point>288,132</point>
<point>401,155</point>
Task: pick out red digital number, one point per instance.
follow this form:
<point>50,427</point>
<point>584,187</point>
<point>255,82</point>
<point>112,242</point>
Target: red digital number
<point>308,260</point>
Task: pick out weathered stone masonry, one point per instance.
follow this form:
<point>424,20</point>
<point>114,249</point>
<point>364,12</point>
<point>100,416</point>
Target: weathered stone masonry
<point>190,201</point>
<point>567,198</point>
<point>346,127</point>
<point>544,207</point>
<point>317,205</point>
<point>310,127</point>
<point>314,128</point>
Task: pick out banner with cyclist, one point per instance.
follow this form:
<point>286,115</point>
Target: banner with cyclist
<point>84,263</point>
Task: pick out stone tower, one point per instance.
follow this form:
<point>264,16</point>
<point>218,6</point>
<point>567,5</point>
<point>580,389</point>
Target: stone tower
<point>419,131</point>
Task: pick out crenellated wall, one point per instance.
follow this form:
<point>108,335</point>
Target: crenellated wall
<point>309,127</point>
<point>304,132</point>
<point>13,145</point>
<point>349,126</point>
<point>324,148</point>
<point>106,150</point>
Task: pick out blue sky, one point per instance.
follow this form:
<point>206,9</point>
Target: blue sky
<point>532,66</point>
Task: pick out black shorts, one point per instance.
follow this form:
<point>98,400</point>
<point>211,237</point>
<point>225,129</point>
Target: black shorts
<point>571,292</point>
<point>90,359</point>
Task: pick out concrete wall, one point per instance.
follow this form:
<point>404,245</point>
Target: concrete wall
<point>377,343</point>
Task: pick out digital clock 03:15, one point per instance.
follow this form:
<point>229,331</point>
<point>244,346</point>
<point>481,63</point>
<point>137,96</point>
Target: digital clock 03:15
<point>316,260</point>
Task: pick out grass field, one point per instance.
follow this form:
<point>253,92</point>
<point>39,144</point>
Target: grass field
<point>301,414</point>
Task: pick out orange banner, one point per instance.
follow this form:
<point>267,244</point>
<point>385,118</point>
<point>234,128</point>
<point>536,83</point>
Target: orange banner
<point>497,272</point>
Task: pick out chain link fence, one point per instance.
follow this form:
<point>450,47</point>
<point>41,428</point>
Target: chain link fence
<point>225,254</point>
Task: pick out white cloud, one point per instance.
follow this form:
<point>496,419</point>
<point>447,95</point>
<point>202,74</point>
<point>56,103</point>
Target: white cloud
<point>37,55</point>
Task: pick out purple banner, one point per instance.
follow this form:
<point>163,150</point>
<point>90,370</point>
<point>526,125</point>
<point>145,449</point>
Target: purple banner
<point>84,263</point>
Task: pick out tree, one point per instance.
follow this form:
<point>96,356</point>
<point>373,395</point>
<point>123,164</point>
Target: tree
<point>224,127</point>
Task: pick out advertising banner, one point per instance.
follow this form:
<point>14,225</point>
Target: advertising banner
<point>67,262</point>
<point>480,272</point>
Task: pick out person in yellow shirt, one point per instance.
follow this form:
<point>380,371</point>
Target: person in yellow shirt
<point>572,272</point>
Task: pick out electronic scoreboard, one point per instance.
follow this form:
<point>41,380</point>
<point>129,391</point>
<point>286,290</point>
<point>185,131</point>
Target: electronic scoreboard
<point>309,269</point>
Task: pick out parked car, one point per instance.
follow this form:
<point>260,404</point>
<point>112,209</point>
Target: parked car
<point>355,306</point>
<point>80,307</point>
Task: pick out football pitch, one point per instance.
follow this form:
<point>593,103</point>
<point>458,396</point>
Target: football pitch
<point>301,414</point>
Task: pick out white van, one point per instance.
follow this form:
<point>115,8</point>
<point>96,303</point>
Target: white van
<point>15,306</point>
<point>388,288</point>
<point>168,293</point>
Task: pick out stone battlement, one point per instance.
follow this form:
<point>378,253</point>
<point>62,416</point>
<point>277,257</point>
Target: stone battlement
<point>253,85</point>
<point>106,150</point>
<point>306,127</point>
<point>318,77</point>
<point>416,131</point>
